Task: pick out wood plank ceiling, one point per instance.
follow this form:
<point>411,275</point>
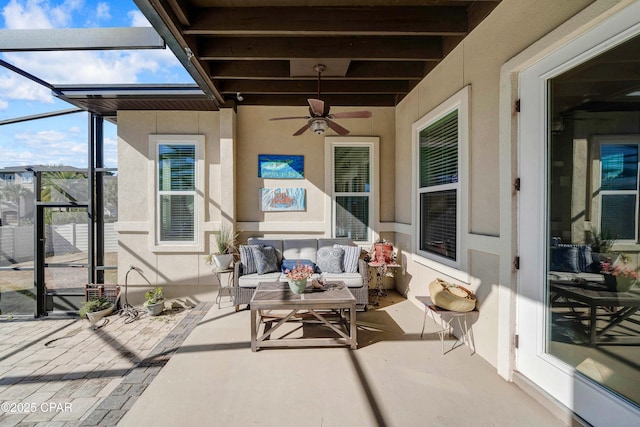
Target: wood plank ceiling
<point>375,51</point>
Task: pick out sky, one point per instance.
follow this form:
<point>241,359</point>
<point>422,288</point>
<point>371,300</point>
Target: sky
<point>63,140</point>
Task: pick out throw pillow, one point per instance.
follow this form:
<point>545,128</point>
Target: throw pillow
<point>247,259</point>
<point>290,264</point>
<point>330,260</point>
<point>266,259</point>
<point>585,260</point>
<point>565,259</point>
<point>351,257</point>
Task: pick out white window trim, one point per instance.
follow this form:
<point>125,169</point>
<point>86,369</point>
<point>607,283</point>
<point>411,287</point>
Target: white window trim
<point>598,142</point>
<point>198,244</point>
<point>458,268</point>
<point>374,206</point>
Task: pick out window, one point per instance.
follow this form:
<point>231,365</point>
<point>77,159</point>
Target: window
<point>178,182</point>
<point>438,140</point>
<point>352,187</point>
<point>618,187</point>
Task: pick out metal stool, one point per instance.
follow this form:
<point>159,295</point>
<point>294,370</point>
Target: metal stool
<point>446,318</point>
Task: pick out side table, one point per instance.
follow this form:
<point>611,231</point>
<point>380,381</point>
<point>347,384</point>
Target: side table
<point>381,270</point>
<point>445,320</point>
<point>228,287</point>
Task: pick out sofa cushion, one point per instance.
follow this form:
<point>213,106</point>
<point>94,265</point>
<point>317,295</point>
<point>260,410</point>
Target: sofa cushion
<point>290,264</point>
<point>351,257</point>
<point>247,259</point>
<point>252,280</point>
<point>300,249</point>
<point>266,259</point>
<point>330,260</point>
<point>565,259</point>
<point>351,280</point>
<point>584,258</point>
<point>274,243</point>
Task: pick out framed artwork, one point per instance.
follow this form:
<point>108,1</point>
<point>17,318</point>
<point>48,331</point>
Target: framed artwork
<point>280,166</point>
<point>282,199</point>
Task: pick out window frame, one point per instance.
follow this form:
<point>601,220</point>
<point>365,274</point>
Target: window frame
<point>598,142</point>
<point>158,245</point>
<point>373,144</point>
<point>459,102</point>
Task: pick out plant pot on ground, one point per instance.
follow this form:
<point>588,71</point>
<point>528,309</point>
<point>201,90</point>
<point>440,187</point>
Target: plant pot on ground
<point>95,309</point>
<point>154,302</point>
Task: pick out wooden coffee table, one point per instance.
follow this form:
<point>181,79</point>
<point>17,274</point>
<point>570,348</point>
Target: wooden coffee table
<point>326,305</point>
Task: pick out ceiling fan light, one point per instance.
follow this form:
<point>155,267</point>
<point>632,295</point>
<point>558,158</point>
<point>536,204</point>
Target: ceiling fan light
<point>319,126</point>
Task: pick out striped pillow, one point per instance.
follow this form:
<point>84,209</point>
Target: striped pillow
<point>351,257</point>
<point>247,259</point>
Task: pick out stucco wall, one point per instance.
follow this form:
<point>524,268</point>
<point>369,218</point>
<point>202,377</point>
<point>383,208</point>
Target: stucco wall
<point>257,135</point>
<point>183,275</point>
<point>512,26</point>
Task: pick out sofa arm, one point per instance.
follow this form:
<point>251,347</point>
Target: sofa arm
<point>363,269</point>
<point>237,272</point>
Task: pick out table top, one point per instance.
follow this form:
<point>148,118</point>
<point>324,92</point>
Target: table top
<point>278,294</point>
<point>598,294</point>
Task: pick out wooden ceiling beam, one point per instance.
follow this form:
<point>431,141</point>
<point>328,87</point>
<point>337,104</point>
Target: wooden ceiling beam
<point>333,100</point>
<point>390,20</point>
<point>311,87</point>
<point>360,70</point>
<point>409,48</point>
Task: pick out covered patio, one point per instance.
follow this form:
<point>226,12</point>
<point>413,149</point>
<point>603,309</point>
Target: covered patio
<point>394,378</point>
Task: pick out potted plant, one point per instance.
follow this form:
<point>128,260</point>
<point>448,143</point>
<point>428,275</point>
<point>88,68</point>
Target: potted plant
<point>225,248</point>
<point>618,276</point>
<point>95,309</point>
<point>298,277</point>
<point>154,301</point>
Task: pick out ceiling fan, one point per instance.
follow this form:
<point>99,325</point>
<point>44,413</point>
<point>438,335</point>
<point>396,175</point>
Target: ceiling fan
<point>319,118</point>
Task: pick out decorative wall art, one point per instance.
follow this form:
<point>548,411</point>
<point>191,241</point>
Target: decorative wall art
<point>280,166</point>
<point>282,199</point>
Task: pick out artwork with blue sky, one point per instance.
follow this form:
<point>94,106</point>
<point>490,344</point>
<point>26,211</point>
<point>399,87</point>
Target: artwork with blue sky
<point>62,140</point>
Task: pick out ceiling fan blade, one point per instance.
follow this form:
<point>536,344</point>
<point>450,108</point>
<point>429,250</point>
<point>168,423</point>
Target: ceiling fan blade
<point>317,106</point>
<point>336,127</point>
<point>351,115</point>
<point>302,129</point>
<point>289,118</point>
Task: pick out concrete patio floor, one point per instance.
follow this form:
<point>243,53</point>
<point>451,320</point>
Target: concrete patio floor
<point>195,367</point>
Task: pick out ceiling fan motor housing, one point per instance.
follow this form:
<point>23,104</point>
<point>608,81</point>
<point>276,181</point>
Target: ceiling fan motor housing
<point>319,126</point>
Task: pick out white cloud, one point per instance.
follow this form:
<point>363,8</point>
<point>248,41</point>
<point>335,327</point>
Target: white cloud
<point>14,87</point>
<point>103,11</point>
<point>138,19</point>
<point>3,104</point>
<point>39,13</point>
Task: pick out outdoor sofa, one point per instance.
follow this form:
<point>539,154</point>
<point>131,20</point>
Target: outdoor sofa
<point>327,263</point>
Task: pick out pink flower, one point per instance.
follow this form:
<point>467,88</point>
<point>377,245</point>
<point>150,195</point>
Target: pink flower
<point>300,272</point>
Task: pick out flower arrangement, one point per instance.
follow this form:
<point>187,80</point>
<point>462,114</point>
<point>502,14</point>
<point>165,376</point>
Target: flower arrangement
<point>300,272</point>
<point>607,267</point>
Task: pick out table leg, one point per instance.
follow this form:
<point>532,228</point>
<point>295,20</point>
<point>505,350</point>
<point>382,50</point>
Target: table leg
<point>352,321</point>
<point>592,325</point>
<point>254,332</point>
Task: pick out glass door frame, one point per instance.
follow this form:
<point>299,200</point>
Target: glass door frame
<point>586,398</point>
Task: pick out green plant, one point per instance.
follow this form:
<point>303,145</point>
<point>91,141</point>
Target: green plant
<point>93,305</point>
<point>600,241</point>
<point>226,240</point>
<point>154,296</point>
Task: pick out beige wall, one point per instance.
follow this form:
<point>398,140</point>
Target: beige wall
<point>477,61</point>
<point>257,135</point>
<point>183,275</point>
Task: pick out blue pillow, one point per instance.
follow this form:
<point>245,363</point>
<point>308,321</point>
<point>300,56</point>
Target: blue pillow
<point>290,264</point>
<point>565,258</point>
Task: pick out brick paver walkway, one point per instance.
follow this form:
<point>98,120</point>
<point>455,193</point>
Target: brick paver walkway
<point>65,372</point>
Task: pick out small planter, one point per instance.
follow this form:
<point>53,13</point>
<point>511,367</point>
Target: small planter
<point>618,283</point>
<point>222,262</point>
<point>298,286</point>
<point>95,316</point>
<point>155,309</point>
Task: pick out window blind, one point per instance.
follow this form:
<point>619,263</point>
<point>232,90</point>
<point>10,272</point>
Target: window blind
<point>176,183</point>
<point>352,184</point>
<point>438,225</point>
<point>439,152</point>
<point>351,169</point>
